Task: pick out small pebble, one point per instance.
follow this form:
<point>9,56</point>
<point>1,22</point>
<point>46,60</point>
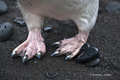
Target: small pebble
<point>3,7</point>
<point>113,7</point>
<point>93,63</point>
<point>20,20</point>
<point>46,29</point>
<point>51,75</point>
<point>5,31</point>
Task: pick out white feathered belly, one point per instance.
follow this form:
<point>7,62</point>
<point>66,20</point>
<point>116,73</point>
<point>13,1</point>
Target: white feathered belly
<point>56,8</point>
<point>85,10</point>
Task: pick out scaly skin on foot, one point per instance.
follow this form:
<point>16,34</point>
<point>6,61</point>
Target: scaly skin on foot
<point>33,46</point>
<point>71,46</point>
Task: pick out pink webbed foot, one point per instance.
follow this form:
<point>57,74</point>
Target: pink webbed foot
<point>71,46</point>
<point>33,46</point>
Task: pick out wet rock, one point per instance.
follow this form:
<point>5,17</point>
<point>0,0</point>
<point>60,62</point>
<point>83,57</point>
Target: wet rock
<point>3,7</point>
<point>85,46</point>
<point>46,29</point>
<point>113,7</point>
<point>88,54</point>
<point>5,31</point>
<point>93,62</point>
<point>51,75</point>
<point>20,21</point>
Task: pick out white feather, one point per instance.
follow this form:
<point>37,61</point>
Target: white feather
<point>83,12</point>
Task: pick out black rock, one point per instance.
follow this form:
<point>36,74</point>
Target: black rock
<point>88,54</point>
<point>3,7</point>
<point>5,31</point>
<point>85,46</point>
<point>93,62</point>
<point>113,7</point>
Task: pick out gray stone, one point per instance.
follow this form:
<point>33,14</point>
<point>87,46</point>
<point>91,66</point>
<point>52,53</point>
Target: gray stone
<point>113,7</point>
<point>5,31</point>
<point>3,7</point>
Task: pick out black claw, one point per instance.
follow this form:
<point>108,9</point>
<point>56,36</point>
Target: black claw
<point>24,59</point>
<point>55,53</point>
<point>67,58</point>
<point>55,43</point>
<point>39,55</point>
<point>13,54</point>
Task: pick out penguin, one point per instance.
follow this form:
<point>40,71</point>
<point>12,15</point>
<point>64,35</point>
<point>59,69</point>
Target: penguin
<point>83,12</point>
